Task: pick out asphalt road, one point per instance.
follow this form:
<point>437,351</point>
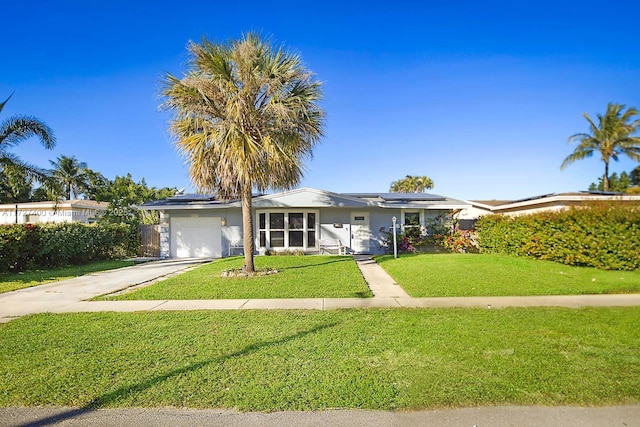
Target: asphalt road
<point>502,416</point>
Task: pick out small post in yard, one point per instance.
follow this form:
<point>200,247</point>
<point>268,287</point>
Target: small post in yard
<point>395,241</point>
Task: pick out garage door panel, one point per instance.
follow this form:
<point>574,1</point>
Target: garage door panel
<point>196,237</point>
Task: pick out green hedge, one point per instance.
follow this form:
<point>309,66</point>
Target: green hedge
<point>29,246</point>
<point>601,236</point>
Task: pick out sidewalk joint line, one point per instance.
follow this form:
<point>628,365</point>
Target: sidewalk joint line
<point>162,303</point>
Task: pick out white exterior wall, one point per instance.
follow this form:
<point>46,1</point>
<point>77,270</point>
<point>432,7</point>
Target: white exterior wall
<point>473,212</point>
<point>534,209</point>
<point>232,230</point>
<point>334,224</point>
<point>381,222</point>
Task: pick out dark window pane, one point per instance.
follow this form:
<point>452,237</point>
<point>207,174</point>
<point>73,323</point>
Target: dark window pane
<point>262,221</point>
<point>295,239</point>
<point>311,239</point>
<point>311,222</point>
<point>412,218</point>
<point>263,239</point>
<point>276,221</point>
<point>277,239</point>
<point>296,221</point>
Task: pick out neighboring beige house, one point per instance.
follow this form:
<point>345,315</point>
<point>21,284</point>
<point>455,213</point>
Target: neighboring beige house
<point>547,202</point>
<point>51,212</point>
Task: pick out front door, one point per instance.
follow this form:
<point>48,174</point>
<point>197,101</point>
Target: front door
<point>360,232</point>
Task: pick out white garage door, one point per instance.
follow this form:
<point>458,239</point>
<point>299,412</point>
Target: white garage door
<point>196,237</point>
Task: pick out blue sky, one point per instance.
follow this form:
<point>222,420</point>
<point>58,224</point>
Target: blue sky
<point>480,96</point>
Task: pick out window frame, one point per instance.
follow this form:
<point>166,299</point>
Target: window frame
<point>403,215</point>
<point>306,228</point>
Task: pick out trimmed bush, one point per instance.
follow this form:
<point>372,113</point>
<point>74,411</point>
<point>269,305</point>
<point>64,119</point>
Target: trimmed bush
<point>29,246</point>
<point>601,236</point>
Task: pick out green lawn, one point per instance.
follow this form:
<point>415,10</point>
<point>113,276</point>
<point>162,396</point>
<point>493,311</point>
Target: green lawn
<point>298,277</point>
<point>398,359</point>
<point>452,275</point>
<point>11,282</point>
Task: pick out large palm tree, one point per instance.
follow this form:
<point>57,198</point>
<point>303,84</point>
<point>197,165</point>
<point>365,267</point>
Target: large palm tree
<point>246,115</point>
<point>612,136</point>
<point>411,184</point>
<point>70,175</point>
<point>17,129</point>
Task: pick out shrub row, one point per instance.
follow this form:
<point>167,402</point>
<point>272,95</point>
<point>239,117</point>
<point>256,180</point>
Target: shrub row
<point>29,246</point>
<point>601,236</point>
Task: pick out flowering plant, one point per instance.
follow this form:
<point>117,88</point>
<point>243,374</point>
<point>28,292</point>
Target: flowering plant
<point>438,232</point>
<point>460,241</point>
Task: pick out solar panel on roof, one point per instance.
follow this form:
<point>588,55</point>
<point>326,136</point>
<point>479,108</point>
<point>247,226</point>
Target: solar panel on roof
<point>192,197</point>
<point>410,196</point>
<point>603,193</point>
<point>397,196</point>
<point>533,198</point>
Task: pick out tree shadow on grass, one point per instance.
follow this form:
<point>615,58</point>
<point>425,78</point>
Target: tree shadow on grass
<point>330,261</point>
<point>106,399</point>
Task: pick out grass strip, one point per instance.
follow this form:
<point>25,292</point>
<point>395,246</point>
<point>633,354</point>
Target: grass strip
<point>459,275</point>
<point>27,279</point>
<point>298,277</point>
<point>399,359</point>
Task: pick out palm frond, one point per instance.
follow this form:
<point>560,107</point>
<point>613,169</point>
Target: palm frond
<point>13,161</point>
<point>18,129</point>
<point>2,104</point>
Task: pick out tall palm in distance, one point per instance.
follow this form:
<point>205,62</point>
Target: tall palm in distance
<point>70,176</point>
<point>611,137</point>
<point>245,117</point>
<point>16,130</point>
<point>411,184</point>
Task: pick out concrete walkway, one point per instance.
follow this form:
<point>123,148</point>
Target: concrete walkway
<point>381,284</point>
<point>71,296</point>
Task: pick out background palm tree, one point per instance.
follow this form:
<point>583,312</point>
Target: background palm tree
<point>246,115</point>
<point>70,175</point>
<point>411,184</point>
<point>15,186</point>
<point>612,136</point>
<point>17,129</point>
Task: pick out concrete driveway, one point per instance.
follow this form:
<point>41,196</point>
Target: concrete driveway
<point>55,296</point>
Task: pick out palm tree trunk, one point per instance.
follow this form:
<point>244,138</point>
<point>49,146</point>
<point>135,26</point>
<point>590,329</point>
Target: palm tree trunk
<point>247,229</point>
<point>605,179</point>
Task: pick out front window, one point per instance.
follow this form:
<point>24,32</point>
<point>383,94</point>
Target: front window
<point>287,229</point>
<point>412,222</point>
<point>411,219</point>
<point>276,230</point>
<point>311,230</point>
